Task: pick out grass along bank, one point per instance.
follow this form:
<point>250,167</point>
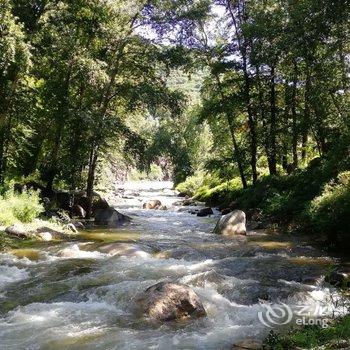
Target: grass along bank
<point>314,200</point>
<point>22,222</point>
<point>335,336</point>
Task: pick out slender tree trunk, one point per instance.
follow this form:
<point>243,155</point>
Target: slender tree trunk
<point>106,98</point>
<point>242,44</point>
<point>307,115</point>
<point>251,123</point>
<point>53,168</point>
<point>91,179</point>
<point>237,154</point>
<point>236,151</point>
<point>294,118</point>
<point>273,163</point>
<point>60,117</point>
<point>263,119</point>
<point>285,140</point>
<point>2,154</point>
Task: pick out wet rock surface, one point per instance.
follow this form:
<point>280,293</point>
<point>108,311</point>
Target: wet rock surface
<point>205,212</point>
<point>81,292</point>
<point>153,204</point>
<point>111,218</point>
<point>232,224</point>
<point>168,301</point>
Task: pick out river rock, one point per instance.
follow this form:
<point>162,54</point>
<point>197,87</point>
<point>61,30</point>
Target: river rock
<point>78,224</point>
<point>123,249</point>
<point>188,202</point>
<point>167,301</point>
<point>183,194</point>
<point>17,230</point>
<point>250,344</point>
<point>110,217</point>
<point>45,236</point>
<point>72,228</point>
<point>163,207</point>
<point>205,212</point>
<point>232,224</point>
<point>226,211</point>
<point>100,204</point>
<point>152,204</point>
<point>339,279</point>
<point>46,232</point>
<point>79,211</point>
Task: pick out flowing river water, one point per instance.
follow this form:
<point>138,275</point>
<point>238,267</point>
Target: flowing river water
<point>75,295</point>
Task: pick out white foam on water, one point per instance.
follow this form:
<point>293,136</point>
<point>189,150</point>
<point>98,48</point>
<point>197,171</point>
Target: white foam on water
<point>74,252</point>
<point>11,274</point>
<point>111,285</point>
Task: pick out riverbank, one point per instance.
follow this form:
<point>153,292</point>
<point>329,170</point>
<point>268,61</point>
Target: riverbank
<point>335,336</point>
<point>314,201</point>
<point>85,288</point>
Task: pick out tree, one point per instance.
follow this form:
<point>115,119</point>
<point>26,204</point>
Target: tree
<point>15,61</point>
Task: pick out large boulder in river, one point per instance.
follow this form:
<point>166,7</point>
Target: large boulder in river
<point>110,217</point>
<point>167,301</point>
<point>232,224</point>
<point>152,204</point>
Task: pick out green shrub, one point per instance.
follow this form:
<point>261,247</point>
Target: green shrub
<point>312,337</point>
<point>330,211</point>
<point>191,185</point>
<point>24,207</point>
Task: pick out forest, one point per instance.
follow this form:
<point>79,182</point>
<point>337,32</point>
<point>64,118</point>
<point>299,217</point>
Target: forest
<point>242,104</point>
<point>248,101</point>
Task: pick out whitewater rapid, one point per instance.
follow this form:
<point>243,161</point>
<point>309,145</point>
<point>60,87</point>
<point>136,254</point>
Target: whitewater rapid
<point>73,295</point>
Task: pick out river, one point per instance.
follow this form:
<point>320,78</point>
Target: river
<point>72,295</point>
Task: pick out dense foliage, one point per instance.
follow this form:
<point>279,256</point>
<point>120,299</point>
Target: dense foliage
<point>312,337</point>
<point>241,95</point>
<point>72,74</point>
<point>15,207</point>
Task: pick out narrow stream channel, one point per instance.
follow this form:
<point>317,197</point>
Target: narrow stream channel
<point>74,295</point>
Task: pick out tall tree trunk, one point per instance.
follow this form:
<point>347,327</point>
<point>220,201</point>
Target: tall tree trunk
<point>60,117</point>
<point>251,123</point>
<point>91,179</point>
<point>106,98</point>
<point>307,115</point>
<point>273,149</point>
<point>242,45</point>
<point>2,152</point>
<point>295,135</point>
<point>236,151</point>
<point>237,154</point>
<point>263,119</point>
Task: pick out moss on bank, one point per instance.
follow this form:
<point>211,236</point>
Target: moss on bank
<point>336,336</point>
<point>314,200</point>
